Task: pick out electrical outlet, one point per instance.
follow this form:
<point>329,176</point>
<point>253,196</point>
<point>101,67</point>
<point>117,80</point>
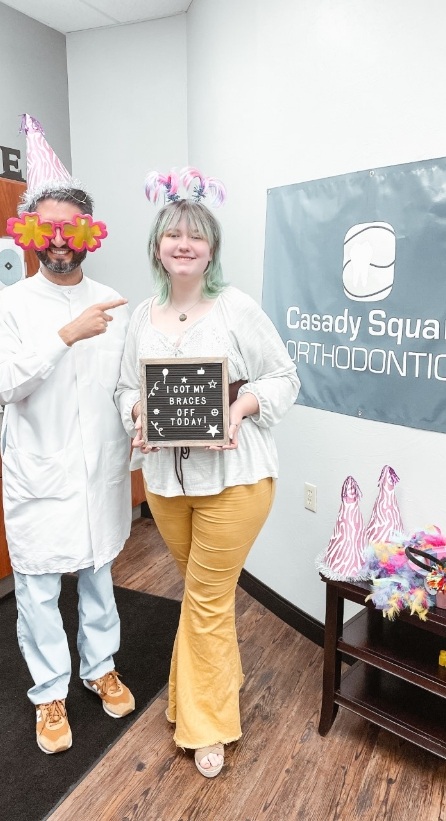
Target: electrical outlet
<point>310,497</point>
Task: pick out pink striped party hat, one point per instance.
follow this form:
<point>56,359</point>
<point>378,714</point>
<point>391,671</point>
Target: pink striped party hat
<point>344,556</point>
<point>385,520</point>
<point>43,167</point>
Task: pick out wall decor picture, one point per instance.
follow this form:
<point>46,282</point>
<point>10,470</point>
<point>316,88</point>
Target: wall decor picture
<point>12,262</point>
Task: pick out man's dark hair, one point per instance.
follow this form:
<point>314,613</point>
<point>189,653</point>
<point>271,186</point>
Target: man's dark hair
<point>60,193</point>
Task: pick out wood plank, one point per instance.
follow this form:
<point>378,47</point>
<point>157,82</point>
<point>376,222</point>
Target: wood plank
<point>5,564</point>
<point>281,769</point>
<point>138,492</point>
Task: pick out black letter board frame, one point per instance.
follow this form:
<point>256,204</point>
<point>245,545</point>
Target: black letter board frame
<point>185,402</point>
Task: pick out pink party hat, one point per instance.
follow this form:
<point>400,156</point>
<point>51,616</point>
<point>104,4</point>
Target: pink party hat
<point>385,520</point>
<point>344,555</point>
<point>43,167</point>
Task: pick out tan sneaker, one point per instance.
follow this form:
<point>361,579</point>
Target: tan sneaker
<point>117,699</point>
<point>52,729</point>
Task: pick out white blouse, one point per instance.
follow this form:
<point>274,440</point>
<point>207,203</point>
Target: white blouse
<point>235,327</point>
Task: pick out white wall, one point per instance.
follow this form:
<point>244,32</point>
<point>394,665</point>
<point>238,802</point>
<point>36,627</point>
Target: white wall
<point>276,93</point>
<point>33,79</point>
<point>296,90</point>
<point>128,95</point>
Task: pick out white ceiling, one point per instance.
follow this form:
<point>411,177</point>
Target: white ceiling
<point>77,15</point>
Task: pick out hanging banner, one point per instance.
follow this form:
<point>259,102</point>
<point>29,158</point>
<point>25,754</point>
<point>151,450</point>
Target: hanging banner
<point>355,282</point>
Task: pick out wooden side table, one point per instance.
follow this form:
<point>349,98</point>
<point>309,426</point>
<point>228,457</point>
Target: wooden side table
<point>396,681</point>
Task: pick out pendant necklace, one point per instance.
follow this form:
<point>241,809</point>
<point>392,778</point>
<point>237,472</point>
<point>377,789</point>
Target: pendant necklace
<point>182,314</point>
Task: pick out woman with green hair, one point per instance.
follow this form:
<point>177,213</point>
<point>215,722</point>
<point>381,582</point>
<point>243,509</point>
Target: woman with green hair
<point>209,503</point>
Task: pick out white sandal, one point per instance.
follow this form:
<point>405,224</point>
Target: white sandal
<point>203,752</point>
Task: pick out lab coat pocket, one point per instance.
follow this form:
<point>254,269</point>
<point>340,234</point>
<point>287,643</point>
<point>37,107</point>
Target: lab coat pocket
<point>31,476</point>
<point>117,460</point>
<point>109,366</point>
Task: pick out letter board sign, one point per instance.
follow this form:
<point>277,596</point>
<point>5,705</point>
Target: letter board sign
<point>185,402</point>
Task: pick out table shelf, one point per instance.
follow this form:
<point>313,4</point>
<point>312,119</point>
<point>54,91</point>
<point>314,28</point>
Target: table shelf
<point>395,705</point>
<point>396,647</point>
<point>396,681</point>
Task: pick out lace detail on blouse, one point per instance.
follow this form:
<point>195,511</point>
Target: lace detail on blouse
<point>206,337</point>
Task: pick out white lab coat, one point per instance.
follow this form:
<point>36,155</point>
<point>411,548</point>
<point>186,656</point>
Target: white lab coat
<point>66,480</point>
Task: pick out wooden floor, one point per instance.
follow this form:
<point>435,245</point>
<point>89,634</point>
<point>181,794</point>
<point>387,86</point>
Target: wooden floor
<point>281,768</point>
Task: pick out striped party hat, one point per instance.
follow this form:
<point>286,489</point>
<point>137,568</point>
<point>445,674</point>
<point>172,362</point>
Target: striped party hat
<point>385,521</point>
<point>344,556</point>
<point>43,167</point>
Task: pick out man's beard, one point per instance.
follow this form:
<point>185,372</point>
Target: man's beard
<point>61,266</point>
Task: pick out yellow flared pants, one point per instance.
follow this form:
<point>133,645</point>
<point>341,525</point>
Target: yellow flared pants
<point>209,538</point>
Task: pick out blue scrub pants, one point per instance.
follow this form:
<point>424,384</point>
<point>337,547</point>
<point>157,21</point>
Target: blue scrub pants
<point>42,639</point>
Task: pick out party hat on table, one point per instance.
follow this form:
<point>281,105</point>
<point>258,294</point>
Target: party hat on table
<point>344,555</point>
<point>385,520</point>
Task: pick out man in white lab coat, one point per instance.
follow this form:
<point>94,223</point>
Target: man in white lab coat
<point>66,482</point>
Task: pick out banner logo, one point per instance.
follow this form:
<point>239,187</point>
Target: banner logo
<point>369,261</point>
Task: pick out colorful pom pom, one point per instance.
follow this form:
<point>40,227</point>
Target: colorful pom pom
<point>397,583</point>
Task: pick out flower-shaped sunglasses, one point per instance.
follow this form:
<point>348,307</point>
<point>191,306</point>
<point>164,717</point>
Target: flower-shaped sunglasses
<point>81,233</point>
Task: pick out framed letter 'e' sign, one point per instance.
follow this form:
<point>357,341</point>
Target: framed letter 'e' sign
<point>185,402</point>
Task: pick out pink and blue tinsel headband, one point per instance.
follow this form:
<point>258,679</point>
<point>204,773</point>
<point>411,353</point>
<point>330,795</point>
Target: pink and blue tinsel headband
<point>196,185</point>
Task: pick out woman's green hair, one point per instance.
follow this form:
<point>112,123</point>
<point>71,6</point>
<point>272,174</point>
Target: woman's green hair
<point>198,220</point>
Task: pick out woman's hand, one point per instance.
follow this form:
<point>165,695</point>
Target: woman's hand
<point>233,430</point>
<point>138,441</point>
<point>246,405</point>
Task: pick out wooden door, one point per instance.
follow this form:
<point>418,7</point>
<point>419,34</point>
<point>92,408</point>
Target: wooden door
<point>5,564</point>
<point>138,492</point>
<point>10,193</point>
